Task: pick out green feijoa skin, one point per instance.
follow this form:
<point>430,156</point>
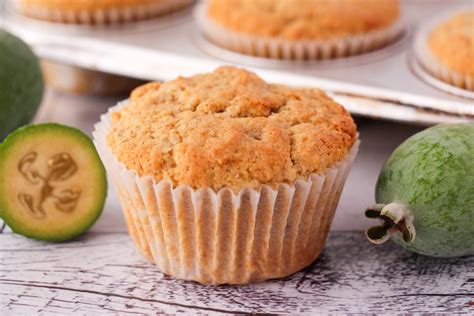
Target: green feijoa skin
<point>52,183</point>
<point>425,193</point>
<point>21,83</point>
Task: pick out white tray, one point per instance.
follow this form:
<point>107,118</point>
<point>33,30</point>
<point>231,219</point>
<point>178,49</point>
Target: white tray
<point>387,83</point>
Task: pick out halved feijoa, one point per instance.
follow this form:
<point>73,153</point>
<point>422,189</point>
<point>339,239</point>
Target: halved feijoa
<point>52,182</point>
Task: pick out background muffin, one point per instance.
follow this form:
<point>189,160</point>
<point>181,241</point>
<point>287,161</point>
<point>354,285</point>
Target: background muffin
<point>447,52</point>
<point>301,28</point>
<point>225,178</point>
<point>96,11</point>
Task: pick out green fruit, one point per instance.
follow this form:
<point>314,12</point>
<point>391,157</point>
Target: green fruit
<point>52,182</point>
<point>21,82</point>
<point>425,193</point>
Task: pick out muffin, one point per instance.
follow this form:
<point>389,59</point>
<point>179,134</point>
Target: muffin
<point>447,50</point>
<point>226,179</point>
<point>300,29</point>
<point>96,11</point>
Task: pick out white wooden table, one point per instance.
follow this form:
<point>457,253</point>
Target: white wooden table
<point>102,273</point>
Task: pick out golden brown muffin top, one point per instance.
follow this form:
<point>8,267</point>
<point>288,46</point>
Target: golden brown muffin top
<point>229,128</point>
<point>304,19</point>
<point>452,43</point>
<point>84,4</point>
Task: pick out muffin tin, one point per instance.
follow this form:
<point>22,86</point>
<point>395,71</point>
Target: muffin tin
<point>387,83</point>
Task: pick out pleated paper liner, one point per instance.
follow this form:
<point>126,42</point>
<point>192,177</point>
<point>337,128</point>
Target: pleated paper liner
<point>431,64</point>
<point>226,237</point>
<point>297,49</point>
<point>101,16</point>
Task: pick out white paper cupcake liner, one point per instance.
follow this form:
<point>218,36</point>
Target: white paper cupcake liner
<point>101,16</point>
<point>431,64</point>
<point>298,49</point>
<point>225,237</point>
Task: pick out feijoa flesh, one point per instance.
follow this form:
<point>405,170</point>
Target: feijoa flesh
<point>425,193</point>
<point>52,182</point>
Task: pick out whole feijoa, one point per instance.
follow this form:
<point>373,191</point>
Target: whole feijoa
<point>21,83</point>
<point>425,193</point>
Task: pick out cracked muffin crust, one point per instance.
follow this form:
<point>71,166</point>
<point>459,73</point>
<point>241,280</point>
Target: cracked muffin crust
<point>229,128</point>
<point>304,19</point>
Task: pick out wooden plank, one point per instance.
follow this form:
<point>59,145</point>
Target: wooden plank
<point>102,273</point>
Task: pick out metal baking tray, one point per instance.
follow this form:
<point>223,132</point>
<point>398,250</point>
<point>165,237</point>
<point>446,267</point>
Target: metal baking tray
<point>387,83</point>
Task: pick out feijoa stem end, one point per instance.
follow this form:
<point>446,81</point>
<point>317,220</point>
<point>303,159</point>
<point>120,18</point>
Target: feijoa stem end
<point>395,217</point>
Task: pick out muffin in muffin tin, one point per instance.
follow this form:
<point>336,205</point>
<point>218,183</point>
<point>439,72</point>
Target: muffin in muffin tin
<point>446,49</point>
<point>96,11</point>
<point>300,29</point>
